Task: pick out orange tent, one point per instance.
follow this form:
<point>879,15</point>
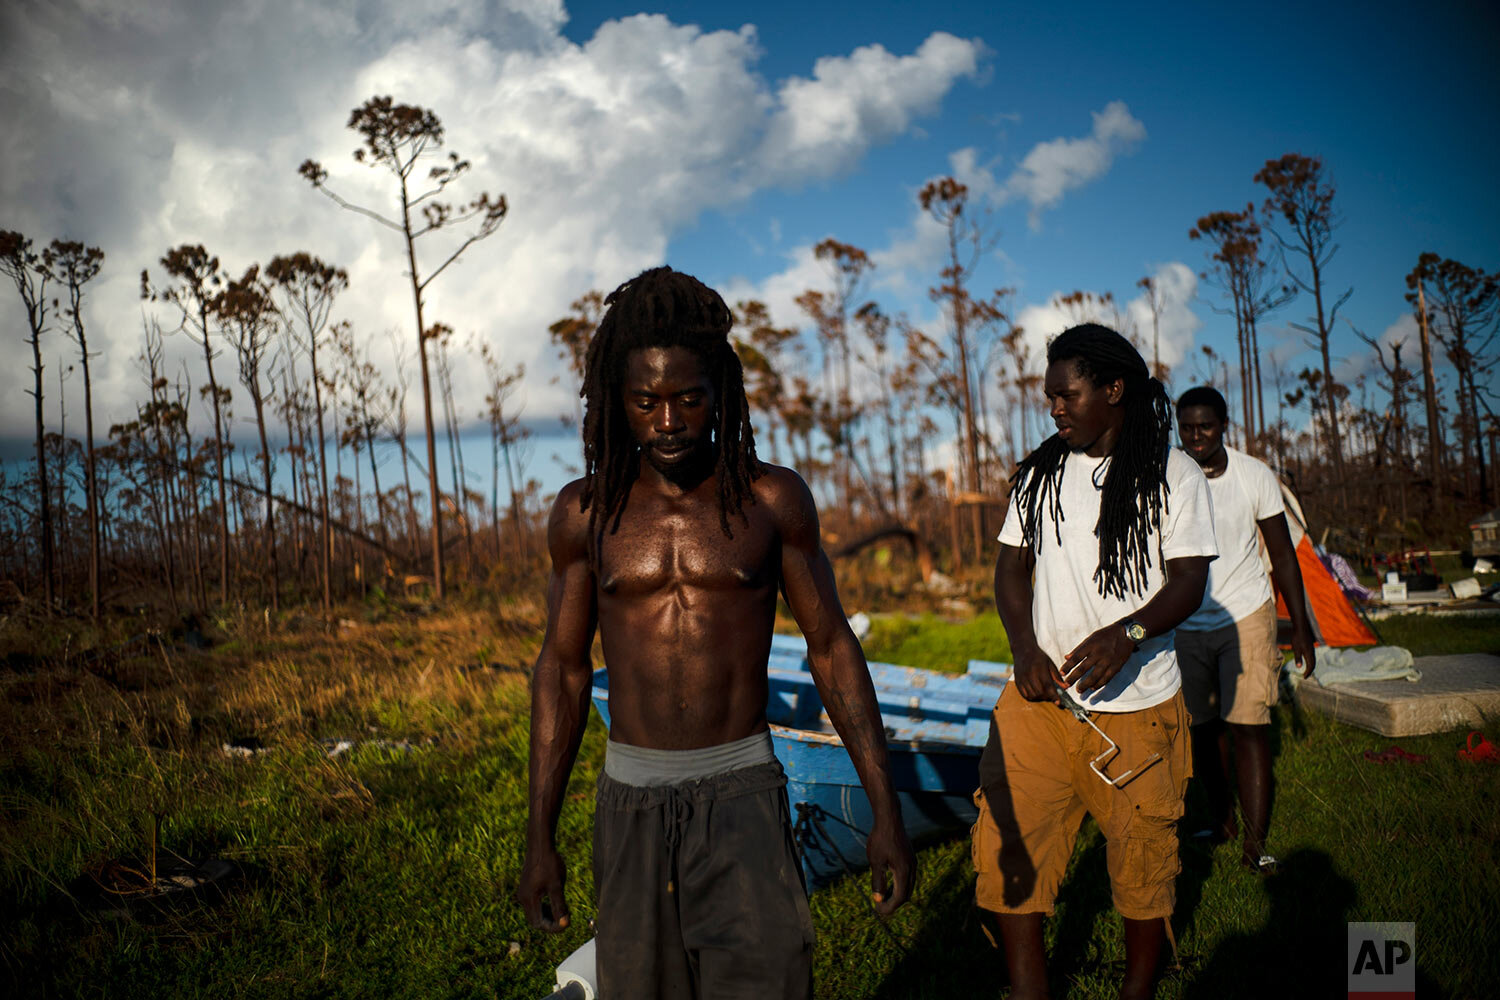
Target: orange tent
<point>1334,620</point>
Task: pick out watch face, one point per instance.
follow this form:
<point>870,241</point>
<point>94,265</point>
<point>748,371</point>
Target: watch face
<point>1135,631</point>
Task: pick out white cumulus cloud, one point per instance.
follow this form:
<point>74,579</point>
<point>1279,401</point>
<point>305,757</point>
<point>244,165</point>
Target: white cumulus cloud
<point>181,121</point>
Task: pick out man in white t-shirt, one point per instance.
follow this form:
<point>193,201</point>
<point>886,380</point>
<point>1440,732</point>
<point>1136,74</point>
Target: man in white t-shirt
<point>1227,650</point>
<point>1117,527</point>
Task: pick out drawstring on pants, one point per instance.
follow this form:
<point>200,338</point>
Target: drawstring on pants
<point>676,814</point>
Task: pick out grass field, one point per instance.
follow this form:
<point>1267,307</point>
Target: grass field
<point>387,869</point>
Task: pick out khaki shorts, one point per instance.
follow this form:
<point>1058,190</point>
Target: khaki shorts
<point>1029,820</point>
<point>1231,672</point>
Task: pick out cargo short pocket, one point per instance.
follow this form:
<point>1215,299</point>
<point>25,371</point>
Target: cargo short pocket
<point>1143,872</point>
<point>984,839</point>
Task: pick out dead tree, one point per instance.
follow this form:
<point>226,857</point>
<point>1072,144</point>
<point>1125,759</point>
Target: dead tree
<point>248,316</point>
<point>307,288</point>
<point>30,275</point>
<point>1300,206</point>
<point>75,265</point>
<point>397,137</point>
<point>198,278</point>
<point>507,438</point>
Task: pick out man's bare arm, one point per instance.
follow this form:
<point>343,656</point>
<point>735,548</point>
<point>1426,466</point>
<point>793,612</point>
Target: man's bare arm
<point>1102,654</point>
<point>843,680</point>
<point>1036,676</point>
<point>560,686</point>
<point>1287,573</point>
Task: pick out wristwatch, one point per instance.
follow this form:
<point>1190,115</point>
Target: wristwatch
<point>1135,631</point>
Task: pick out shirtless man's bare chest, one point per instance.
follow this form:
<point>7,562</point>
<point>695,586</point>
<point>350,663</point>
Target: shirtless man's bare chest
<point>685,618</point>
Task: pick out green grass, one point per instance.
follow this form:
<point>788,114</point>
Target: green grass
<point>1440,634</point>
<point>931,643</point>
<point>384,873</point>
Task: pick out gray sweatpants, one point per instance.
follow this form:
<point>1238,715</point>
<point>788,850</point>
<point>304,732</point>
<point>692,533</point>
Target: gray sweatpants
<point>700,890</point>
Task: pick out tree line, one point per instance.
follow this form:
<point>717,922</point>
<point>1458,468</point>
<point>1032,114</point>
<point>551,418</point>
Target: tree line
<point>902,429</point>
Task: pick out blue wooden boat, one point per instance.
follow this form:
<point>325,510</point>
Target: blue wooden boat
<point>936,725</point>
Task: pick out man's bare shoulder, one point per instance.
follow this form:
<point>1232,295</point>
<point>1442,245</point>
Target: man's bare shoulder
<point>568,524</point>
<point>786,498</point>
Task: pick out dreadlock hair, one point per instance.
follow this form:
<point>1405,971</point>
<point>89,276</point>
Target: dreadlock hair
<point>1136,476</point>
<point>660,308</point>
<point>1205,395</point>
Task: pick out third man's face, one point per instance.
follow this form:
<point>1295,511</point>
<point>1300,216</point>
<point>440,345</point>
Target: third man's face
<point>1201,431</point>
<point>670,407</point>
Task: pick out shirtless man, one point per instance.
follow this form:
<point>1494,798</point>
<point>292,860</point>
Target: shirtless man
<point>675,544</point>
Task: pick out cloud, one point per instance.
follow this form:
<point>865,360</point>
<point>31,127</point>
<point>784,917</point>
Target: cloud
<point>825,124</point>
<point>1174,329</point>
<point>144,126</point>
<point>1053,168</point>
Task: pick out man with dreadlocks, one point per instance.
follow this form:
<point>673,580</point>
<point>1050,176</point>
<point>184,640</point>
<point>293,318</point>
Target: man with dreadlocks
<point>675,544</point>
<point>1116,527</point>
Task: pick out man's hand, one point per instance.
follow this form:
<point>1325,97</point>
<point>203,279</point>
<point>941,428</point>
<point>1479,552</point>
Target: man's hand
<point>1037,677</point>
<point>1303,652</point>
<point>889,848</point>
<point>1099,657</point>
<point>542,878</point>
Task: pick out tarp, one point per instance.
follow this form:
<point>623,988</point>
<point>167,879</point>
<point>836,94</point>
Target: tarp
<point>1334,620</point>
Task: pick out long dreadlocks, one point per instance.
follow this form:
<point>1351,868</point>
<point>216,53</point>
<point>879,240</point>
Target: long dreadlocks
<point>660,308</point>
<point>1135,479</point>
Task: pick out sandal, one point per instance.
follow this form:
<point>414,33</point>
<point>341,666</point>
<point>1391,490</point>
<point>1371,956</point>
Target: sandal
<point>1483,749</point>
<point>1263,865</point>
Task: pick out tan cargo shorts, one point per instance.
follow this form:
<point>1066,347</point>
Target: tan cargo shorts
<point>1231,672</point>
<point>1026,831</point>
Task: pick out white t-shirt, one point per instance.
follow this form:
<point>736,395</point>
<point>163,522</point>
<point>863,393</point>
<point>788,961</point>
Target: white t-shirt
<point>1245,492</point>
<point>1066,606</point>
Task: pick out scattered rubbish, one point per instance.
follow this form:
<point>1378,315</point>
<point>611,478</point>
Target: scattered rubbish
<point>577,976</point>
<point>513,948</point>
<point>335,747</point>
<point>123,885</point>
<point>348,623</point>
<point>1465,589</point>
<point>942,584</point>
<point>1395,753</point>
<point>860,623</point>
<point>1483,566</point>
<point>252,746</point>
<point>248,746</point>
<point>955,608</point>
<point>1479,749</point>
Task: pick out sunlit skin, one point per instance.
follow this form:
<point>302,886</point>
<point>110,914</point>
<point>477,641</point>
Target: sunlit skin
<point>1089,420</point>
<point>1202,435</point>
<point>685,615</point>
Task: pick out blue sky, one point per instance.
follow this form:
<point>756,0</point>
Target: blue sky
<point>175,122</point>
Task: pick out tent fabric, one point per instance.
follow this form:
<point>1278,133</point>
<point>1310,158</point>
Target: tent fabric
<point>1334,619</point>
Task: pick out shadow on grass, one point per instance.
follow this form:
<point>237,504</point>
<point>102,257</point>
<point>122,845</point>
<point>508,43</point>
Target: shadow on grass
<point>951,952</point>
<point>1300,949</point>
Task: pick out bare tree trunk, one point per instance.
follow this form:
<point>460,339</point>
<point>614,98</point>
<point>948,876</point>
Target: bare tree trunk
<point>95,606</point>
<point>270,525</point>
<point>1434,442</point>
<point>44,499</point>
